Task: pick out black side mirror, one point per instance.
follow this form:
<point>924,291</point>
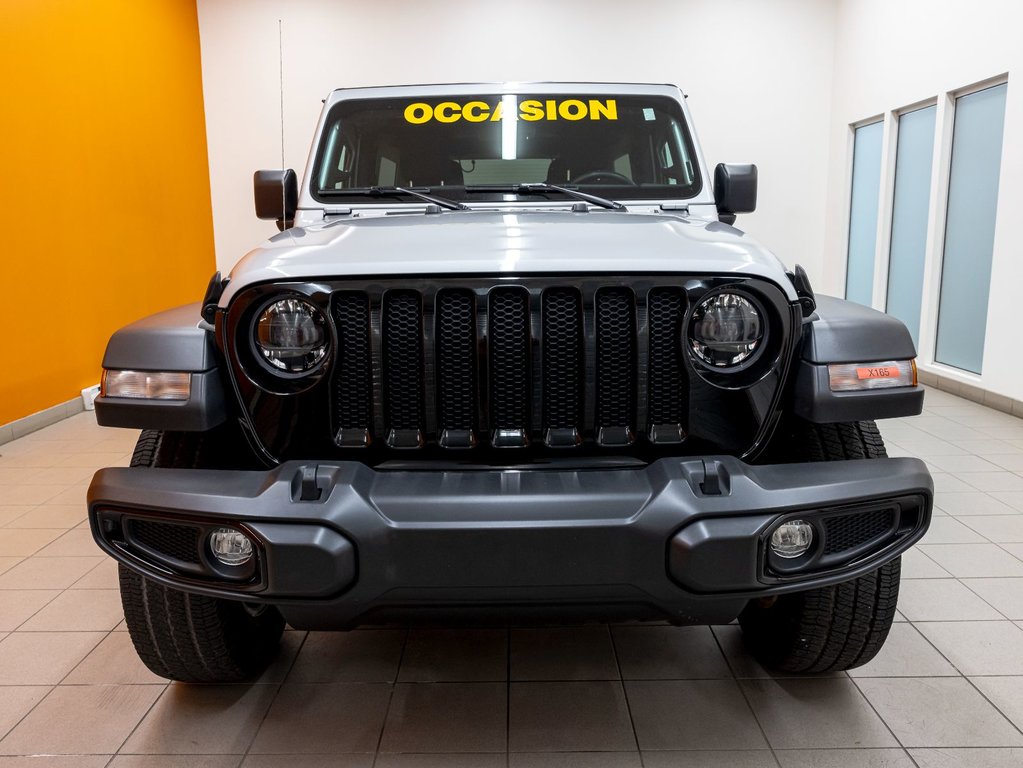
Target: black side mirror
<point>735,190</point>
<point>276,196</point>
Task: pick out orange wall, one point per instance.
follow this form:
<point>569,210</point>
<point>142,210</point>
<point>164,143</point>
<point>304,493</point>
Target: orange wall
<point>105,198</point>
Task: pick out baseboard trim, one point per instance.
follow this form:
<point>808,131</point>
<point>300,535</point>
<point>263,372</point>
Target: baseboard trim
<point>970,392</point>
<point>36,421</point>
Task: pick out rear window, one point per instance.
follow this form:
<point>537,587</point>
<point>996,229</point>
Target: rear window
<point>623,147</point>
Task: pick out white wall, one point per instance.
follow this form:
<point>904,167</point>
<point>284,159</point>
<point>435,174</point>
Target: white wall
<point>758,75</point>
<point>889,55</point>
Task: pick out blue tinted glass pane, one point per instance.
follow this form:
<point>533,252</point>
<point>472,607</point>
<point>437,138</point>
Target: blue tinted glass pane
<point>909,217</point>
<point>866,187</point>
<point>970,228</point>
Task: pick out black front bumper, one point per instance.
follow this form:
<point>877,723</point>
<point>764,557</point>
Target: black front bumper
<point>685,539</point>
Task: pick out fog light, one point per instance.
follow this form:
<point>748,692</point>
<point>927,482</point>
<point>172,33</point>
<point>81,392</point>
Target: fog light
<point>792,539</point>
<point>231,547</point>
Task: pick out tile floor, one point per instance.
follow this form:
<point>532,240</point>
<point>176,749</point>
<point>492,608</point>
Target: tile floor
<point>946,691</point>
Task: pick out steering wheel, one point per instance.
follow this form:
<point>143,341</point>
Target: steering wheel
<point>590,175</point>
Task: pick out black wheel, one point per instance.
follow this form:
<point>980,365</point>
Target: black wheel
<point>187,637</point>
<point>832,628</point>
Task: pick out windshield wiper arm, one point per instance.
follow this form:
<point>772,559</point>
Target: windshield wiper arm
<point>542,186</point>
<point>443,202</point>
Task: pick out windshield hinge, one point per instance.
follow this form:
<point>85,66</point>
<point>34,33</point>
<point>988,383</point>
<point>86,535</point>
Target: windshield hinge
<point>336,212</point>
<point>683,207</point>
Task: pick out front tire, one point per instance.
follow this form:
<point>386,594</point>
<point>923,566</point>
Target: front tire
<point>188,637</point>
<point>832,628</point>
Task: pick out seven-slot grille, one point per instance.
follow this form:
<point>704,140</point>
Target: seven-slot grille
<point>509,366</point>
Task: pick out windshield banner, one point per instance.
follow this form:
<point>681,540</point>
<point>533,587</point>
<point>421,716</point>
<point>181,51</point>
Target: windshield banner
<point>530,110</point>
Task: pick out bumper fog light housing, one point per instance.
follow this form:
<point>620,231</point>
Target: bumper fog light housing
<point>792,539</point>
<point>230,547</point>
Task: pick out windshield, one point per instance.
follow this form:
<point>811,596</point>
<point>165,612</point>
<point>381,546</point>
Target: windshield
<point>620,147</point>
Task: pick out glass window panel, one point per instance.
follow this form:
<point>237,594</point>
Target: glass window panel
<point>970,228</point>
<point>866,188</point>
<point>909,216</point>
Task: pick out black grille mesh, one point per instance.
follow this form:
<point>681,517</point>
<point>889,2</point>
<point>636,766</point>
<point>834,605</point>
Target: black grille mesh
<point>456,359</point>
<point>665,371</point>
<point>850,531</point>
<point>616,358</point>
<point>509,358</point>
<point>353,380</point>
<point>178,541</point>
<point>403,359</point>
<point>563,372</point>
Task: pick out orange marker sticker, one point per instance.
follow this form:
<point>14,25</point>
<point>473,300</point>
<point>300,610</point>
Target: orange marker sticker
<point>880,372</point>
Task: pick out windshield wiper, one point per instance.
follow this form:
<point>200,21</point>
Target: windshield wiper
<point>542,186</point>
<point>443,202</point>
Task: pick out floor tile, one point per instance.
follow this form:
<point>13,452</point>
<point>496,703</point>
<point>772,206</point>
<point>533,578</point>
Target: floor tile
<point>576,760</point>
<point>446,717</point>
<point>948,530</point>
<point>1004,595</point>
<point>758,758</point>
<point>22,542</point>
<point>973,560</point>
<point>668,653</point>
<point>1006,693</point>
<point>306,718</point>
<point>50,516</point>
<point>94,719</point>
<point>16,701</point>
<point>968,758</point>
<point>906,653</point>
<point>845,758</point>
<point>663,715</point>
<point>1001,529</point>
<point>18,605</point>
<point>43,658</point>
<point>202,719</point>
<point>963,463</point>
<point>916,565</point>
<point>563,653</point>
<point>494,760</point>
<point>55,761</point>
<point>33,495</point>
<point>993,481</point>
<point>938,712</point>
<point>80,609</point>
<point>366,656</point>
<point>102,576</point>
<point>77,542</point>
<point>47,572</point>
<point>1011,499</point>
<point>308,761</point>
<point>455,655</point>
<point>1016,550</point>
<point>114,660</point>
<point>815,714</point>
<point>942,600</point>
<point>972,503</point>
<point>175,761</point>
<point>569,717</point>
<point>978,647</point>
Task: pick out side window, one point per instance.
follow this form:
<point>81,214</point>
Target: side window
<point>623,165</point>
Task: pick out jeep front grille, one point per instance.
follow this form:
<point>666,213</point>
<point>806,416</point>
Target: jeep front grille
<point>460,368</point>
<point>509,365</point>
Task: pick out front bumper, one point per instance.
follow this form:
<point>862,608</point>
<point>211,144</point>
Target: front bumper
<point>338,544</point>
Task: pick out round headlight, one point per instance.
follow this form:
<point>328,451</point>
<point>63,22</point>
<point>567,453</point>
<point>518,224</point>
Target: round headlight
<point>291,335</point>
<point>726,330</point>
